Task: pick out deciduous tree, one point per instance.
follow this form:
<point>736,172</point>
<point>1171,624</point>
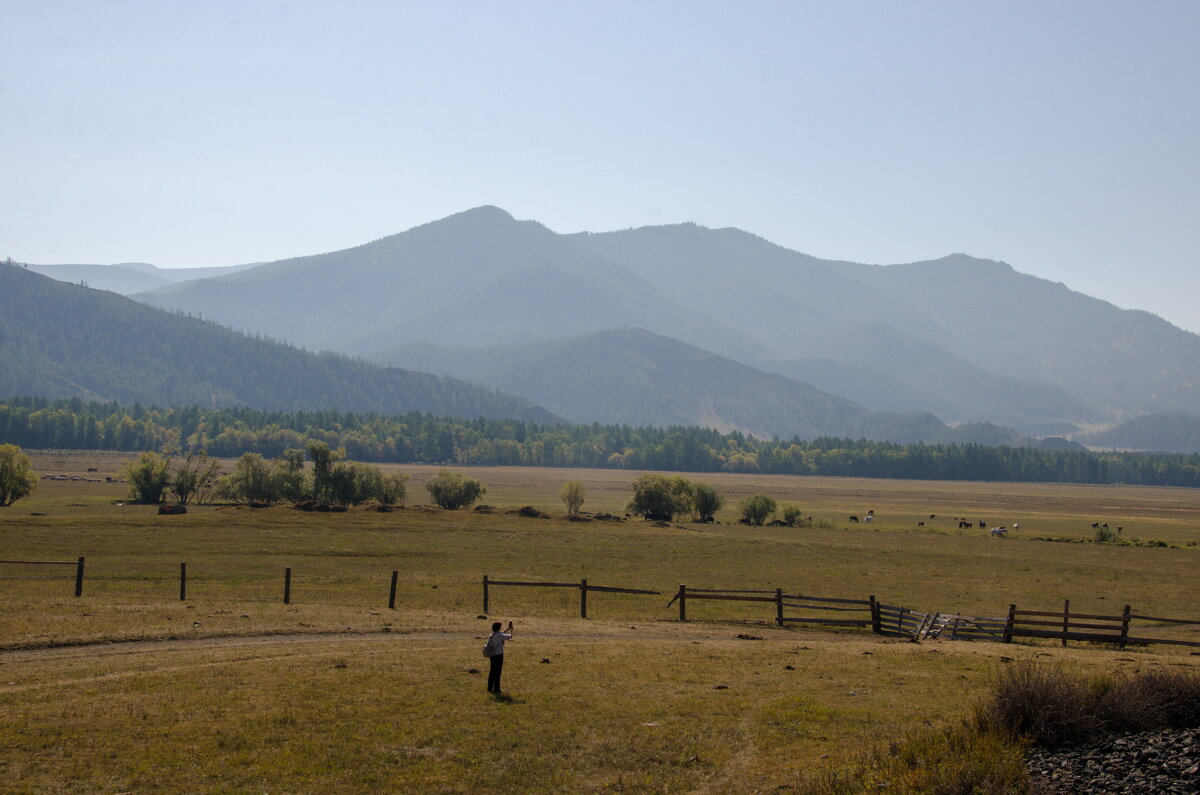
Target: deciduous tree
<point>17,478</point>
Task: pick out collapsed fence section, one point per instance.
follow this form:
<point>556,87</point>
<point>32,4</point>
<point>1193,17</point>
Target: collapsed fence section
<point>582,585</point>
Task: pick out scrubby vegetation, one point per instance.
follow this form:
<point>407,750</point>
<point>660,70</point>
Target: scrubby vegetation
<point>453,491</point>
<point>572,496</point>
<point>1029,705</point>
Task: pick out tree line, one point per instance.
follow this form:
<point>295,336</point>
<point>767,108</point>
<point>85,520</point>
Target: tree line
<point>424,438</point>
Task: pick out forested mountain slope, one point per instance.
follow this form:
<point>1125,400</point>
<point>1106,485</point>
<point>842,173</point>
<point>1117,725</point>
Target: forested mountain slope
<point>62,340</point>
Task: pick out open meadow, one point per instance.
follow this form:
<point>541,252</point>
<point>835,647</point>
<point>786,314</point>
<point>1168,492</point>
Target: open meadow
<point>129,688</point>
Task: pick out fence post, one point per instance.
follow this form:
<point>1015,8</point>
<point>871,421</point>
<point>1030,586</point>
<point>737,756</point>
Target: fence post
<point>1125,616</point>
<point>287,585</point>
<point>485,595</point>
<point>392,595</point>
<point>1008,625</point>
<point>1066,620</point>
<point>779,606</point>
<point>875,623</point>
<point>900,621</point>
<point>79,577</point>
<point>182,581</point>
<point>682,602</point>
<point>583,598</point>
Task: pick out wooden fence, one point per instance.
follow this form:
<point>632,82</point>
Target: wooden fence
<point>78,564</point>
<point>582,585</point>
<point>1126,628</point>
<point>1094,627</point>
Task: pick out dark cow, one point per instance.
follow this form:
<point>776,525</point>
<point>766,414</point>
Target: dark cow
<point>853,520</point>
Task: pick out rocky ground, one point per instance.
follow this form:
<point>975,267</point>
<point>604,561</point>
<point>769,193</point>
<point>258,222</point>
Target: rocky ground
<point>1151,762</point>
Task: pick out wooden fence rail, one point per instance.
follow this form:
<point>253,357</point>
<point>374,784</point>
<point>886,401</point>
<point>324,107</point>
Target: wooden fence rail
<point>865,611</point>
<point>582,585</point>
<point>78,564</point>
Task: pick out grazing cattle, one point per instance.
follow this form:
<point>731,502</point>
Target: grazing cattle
<point>998,532</point>
<point>982,524</point>
<point>1016,525</point>
<point>933,516</point>
<point>871,512</point>
<point>920,524</point>
<point>1119,529</point>
<point>853,520</point>
<point>1105,525</point>
<point>1095,525</point>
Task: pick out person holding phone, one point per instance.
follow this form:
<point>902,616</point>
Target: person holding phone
<point>496,642</point>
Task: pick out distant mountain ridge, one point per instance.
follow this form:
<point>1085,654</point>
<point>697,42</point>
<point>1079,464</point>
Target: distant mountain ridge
<point>61,340</point>
<point>128,278</point>
<point>972,340</point>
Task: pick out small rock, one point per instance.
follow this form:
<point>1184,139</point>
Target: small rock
<point>721,687</point>
<point>545,661</point>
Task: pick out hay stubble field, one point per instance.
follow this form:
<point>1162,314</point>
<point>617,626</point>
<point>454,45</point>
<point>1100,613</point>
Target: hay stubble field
<point>130,689</point>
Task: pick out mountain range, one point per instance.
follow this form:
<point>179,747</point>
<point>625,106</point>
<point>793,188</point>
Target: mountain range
<point>61,340</point>
<point>681,324</point>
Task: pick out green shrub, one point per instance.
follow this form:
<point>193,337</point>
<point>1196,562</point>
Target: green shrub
<point>453,491</point>
<point>1106,536</point>
<point>706,501</point>
<point>791,514</point>
<point>757,508</point>
<point>657,496</point>
<point>17,478</point>
<point>149,478</point>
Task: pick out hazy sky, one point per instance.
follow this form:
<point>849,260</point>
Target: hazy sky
<point>1062,137</point>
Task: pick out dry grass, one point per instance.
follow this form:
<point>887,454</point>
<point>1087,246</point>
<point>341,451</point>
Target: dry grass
<point>628,700</point>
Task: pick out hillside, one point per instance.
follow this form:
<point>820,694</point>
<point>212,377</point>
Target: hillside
<point>62,340</point>
<point>633,376</point>
<point>1116,360</point>
<point>478,277</point>
<point>1163,433</point>
<point>971,340</point>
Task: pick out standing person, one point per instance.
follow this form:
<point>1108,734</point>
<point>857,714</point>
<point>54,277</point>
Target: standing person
<point>496,642</point>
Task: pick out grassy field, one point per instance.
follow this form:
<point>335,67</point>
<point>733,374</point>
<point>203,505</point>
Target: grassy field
<point>231,690</point>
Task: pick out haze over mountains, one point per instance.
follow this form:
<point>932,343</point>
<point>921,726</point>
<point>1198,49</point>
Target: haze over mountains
<point>67,341</point>
<point>689,325</point>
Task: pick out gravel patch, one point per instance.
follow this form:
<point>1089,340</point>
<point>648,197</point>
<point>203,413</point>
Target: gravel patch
<point>1149,762</point>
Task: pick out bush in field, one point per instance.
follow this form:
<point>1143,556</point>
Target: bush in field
<point>757,508</point>
<point>791,514</point>
<point>660,497</point>
<point>195,478</point>
<point>353,483</point>
<point>572,495</point>
<point>149,478</point>
<point>290,481</point>
<point>706,501</point>
<point>253,481</point>
<point>17,478</point>
<point>393,489</point>
<point>452,491</point>
<point>1106,536</point>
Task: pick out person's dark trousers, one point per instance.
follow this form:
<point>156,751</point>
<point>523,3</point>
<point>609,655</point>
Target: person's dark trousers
<point>494,673</point>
